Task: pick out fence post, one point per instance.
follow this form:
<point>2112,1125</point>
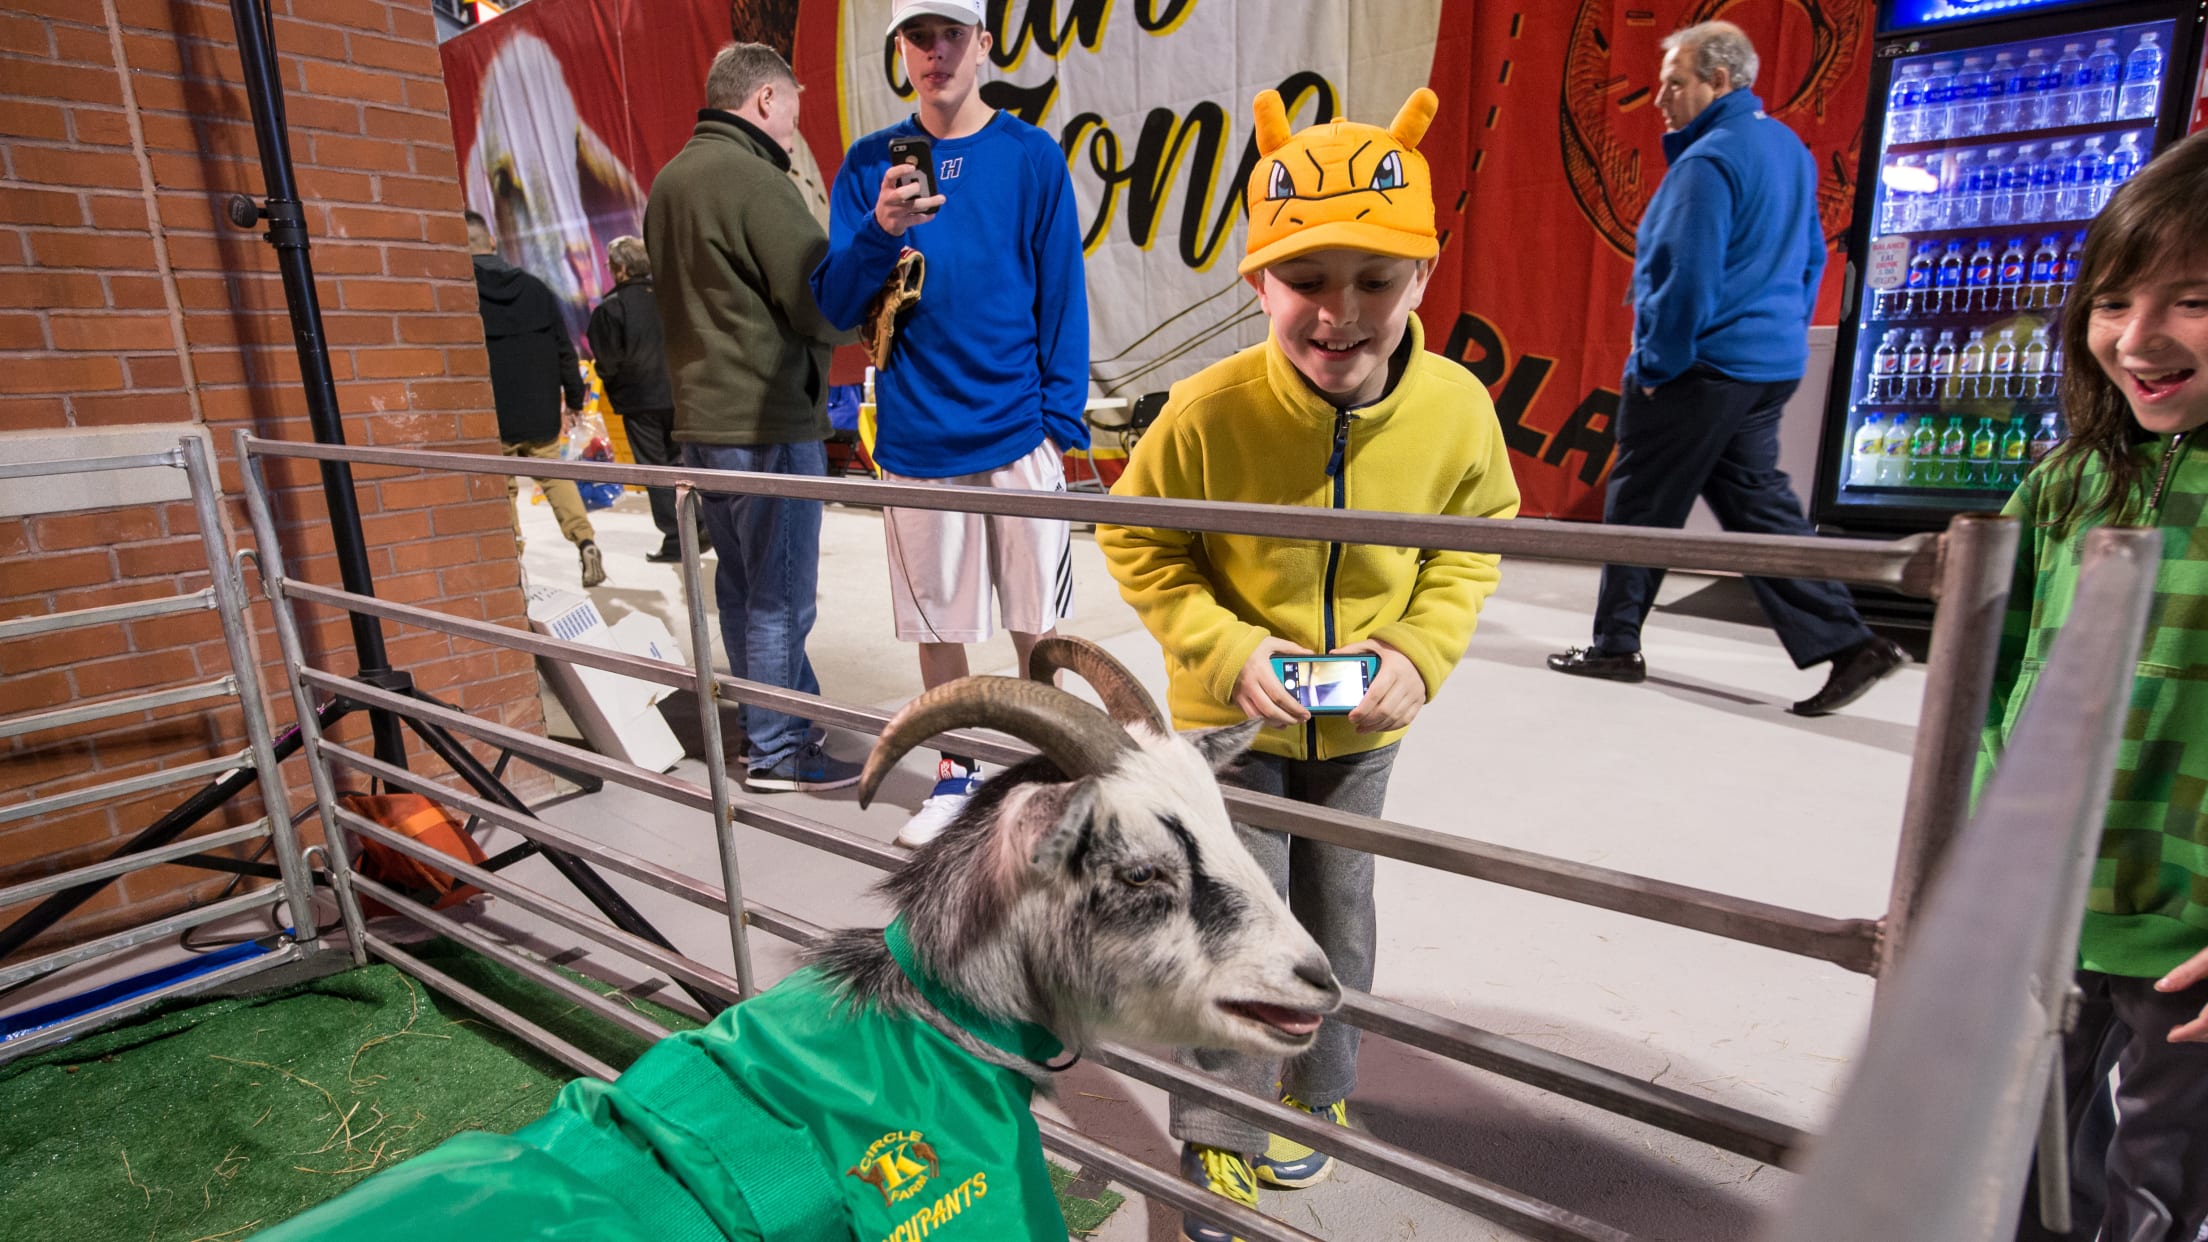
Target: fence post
<point>1977,560</point>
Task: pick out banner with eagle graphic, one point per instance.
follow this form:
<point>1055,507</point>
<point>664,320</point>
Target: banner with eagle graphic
<point>1545,153</point>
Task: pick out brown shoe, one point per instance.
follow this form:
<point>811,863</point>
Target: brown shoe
<point>1854,671</point>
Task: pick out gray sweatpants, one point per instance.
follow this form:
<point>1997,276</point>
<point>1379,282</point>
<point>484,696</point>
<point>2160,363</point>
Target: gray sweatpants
<point>1330,890</point>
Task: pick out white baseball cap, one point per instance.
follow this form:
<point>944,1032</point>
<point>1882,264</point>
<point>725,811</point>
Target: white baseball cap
<point>964,12</point>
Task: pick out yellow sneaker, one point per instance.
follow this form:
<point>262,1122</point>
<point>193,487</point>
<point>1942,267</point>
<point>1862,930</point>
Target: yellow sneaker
<point>1225,1173</point>
<point>1291,1165</point>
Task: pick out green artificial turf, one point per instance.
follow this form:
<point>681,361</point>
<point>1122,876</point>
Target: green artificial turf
<point>205,1121</point>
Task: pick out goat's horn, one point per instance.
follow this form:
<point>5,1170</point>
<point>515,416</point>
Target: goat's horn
<point>1071,733</point>
<point>1123,696</point>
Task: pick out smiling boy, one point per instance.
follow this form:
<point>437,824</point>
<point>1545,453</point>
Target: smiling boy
<point>1343,408</point>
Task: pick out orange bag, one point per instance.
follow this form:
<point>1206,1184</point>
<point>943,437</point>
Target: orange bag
<point>413,816</point>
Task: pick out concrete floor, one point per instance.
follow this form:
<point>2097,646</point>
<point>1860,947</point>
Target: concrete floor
<point>1698,776</point>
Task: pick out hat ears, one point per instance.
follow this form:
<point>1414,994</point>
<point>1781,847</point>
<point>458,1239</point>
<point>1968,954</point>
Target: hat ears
<point>1407,128</point>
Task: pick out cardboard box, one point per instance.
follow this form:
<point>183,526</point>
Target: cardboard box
<point>619,716</point>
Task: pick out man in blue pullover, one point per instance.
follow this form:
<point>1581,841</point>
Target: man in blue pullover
<point>987,375</point>
<point>1724,278</point>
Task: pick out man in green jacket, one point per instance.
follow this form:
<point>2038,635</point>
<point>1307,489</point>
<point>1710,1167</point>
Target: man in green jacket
<point>732,243</point>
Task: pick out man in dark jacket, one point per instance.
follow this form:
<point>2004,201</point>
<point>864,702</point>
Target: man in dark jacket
<point>532,364</point>
<point>732,244</point>
<point>630,350</point>
<point>1725,275</point>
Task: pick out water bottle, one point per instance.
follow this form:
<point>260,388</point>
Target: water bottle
<point>1919,281</point>
<point>2001,365</point>
<point>2015,453</point>
<point>2031,363</point>
<point>2036,108</point>
<point>1970,365</point>
<point>2043,196</point>
<point>2124,162</point>
<point>2104,74</point>
<point>1913,359</point>
<point>2073,258</point>
<point>1870,448</point>
<point>2016,184</point>
<point>1898,213</point>
<point>1893,458</point>
<point>1886,368</point>
<point>2069,193</point>
<point>2011,276</point>
<point>1947,281</point>
<point>2005,89</point>
<point>1978,277</point>
<point>2050,382</point>
<point>2092,177</point>
<point>1969,110</point>
<point>2142,80</point>
<point>1940,367</point>
<point>1939,99</point>
<point>1905,105</point>
<point>1968,186</point>
<point>2070,79</point>
<point>1924,455</point>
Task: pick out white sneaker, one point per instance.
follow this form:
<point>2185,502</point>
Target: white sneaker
<point>954,784</point>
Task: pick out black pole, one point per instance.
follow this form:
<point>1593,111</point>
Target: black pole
<point>287,232</point>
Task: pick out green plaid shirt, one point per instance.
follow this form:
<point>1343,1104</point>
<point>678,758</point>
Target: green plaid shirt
<point>2148,910</point>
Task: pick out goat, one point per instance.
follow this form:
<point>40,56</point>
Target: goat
<point>1097,890</point>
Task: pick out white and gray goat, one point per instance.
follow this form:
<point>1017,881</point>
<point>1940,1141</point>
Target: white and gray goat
<point>1098,889</point>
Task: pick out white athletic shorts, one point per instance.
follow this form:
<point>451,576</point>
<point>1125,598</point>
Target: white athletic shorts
<point>943,564</point>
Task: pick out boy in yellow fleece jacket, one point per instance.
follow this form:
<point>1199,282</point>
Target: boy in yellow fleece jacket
<point>1342,407</point>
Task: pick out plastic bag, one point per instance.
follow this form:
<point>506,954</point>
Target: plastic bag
<point>588,440</point>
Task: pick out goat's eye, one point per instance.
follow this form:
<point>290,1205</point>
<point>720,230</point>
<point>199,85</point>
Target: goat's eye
<point>1137,875</point>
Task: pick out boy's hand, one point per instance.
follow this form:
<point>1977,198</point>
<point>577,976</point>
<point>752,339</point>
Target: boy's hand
<point>900,204</point>
<point>1396,695</point>
<point>1260,695</point>
<point>2192,972</point>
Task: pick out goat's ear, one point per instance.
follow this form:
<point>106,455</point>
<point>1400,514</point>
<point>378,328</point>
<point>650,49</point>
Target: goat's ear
<point>1221,747</point>
<point>1063,814</point>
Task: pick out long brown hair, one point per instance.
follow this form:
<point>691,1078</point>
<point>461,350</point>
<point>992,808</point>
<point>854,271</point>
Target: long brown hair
<point>2157,221</point>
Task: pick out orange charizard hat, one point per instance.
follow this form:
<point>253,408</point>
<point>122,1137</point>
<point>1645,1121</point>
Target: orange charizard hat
<point>1340,184</point>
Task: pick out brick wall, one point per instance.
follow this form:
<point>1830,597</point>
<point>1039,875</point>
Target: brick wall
<point>127,300</point>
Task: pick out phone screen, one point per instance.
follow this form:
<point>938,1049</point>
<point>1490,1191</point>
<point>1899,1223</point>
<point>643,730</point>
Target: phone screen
<point>1323,685</point>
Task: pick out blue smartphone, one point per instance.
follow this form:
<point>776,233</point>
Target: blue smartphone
<point>1327,685</point>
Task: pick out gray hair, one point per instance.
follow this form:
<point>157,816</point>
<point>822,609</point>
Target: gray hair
<point>1711,46</point>
<point>628,254</point>
<point>740,70</point>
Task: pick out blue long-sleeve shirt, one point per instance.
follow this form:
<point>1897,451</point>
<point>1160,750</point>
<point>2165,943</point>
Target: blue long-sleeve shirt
<point>1729,252</point>
<point>996,355</point>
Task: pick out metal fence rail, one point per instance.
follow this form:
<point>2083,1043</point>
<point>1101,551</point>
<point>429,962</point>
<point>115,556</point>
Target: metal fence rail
<point>1929,1143</point>
<point>225,594</point>
<point>1970,561</point>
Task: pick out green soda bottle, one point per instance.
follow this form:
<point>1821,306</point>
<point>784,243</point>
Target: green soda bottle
<point>1924,455</point>
<point>1954,454</point>
<point>1983,443</point>
<point>2015,453</point>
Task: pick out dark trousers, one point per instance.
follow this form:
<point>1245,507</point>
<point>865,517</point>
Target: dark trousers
<point>651,442</point>
<point>2139,1171</point>
<point>1329,888</point>
<point>1704,434</point>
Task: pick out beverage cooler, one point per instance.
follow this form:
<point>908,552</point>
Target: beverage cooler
<point>1996,131</point>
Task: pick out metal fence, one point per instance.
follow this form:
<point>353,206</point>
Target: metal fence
<point>226,596</point>
<point>1966,568</point>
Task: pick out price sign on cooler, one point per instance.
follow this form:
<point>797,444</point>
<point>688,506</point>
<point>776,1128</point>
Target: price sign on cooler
<point>1889,262</point>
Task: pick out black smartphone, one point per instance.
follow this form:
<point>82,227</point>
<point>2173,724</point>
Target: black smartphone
<point>918,153</point>
<point>1327,685</point>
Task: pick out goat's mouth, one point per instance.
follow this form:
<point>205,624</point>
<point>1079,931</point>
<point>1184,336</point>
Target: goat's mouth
<point>1295,1025</point>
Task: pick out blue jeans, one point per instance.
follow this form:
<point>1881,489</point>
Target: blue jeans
<point>767,584</point>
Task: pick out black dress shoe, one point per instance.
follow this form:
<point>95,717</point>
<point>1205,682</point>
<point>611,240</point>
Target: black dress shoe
<point>1853,671</point>
<point>667,553</point>
<point>1591,662</point>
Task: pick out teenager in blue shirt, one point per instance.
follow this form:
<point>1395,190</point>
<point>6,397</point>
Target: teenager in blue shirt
<point>988,373</point>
